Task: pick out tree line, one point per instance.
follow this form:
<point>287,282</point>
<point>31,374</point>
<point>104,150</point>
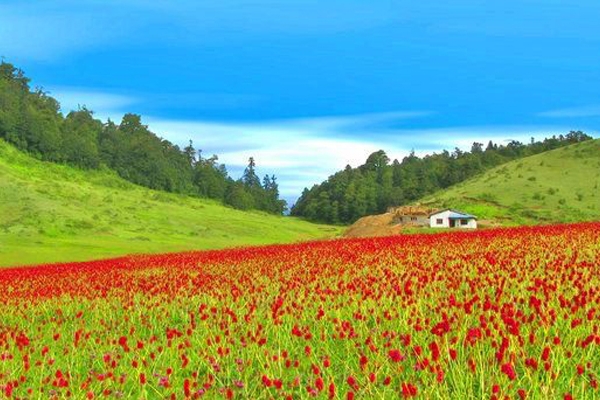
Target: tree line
<point>378,184</point>
<point>32,121</point>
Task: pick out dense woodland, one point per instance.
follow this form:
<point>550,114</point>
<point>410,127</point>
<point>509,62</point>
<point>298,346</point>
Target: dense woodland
<point>32,121</point>
<point>378,184</point>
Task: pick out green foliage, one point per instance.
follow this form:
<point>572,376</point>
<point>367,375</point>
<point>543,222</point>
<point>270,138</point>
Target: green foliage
<point>210,178</point>
<point>31,120</point>
<point>377,185</point>
<point>80,139</point>
<point>239,197</point>
<point>143,158</point>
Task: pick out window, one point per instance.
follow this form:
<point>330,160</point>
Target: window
<point>413,218</point>
<point>439,221</point>
<point>464,222</point>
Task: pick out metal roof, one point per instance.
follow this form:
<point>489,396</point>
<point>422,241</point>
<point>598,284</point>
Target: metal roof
<point>454,214</point>
<point>457,215</point>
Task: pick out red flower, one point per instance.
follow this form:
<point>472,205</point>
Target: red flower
<point>266,381</point>
<point>352,382</point>
<point>363,361</point>
<point>435,351</point>
<point>509,371</point>
<point>395,355</point>
<point>546,353</point>
<point>372,377</point>
<point>441,328</point>
<point>331,394</point>
<point>319,384</point>
<point>409,390</point>
<point>452,354</point>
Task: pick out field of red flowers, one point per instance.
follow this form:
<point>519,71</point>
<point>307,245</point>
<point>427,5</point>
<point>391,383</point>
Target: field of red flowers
<point>505,313</point>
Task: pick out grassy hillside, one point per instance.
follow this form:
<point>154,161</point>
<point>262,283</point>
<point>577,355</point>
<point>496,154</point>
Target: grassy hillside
<point>562,185</point>
<point>50,212</point>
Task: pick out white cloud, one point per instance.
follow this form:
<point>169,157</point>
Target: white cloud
<point>104,105</point>
<point>573,112</point>
<point>306,151</point>
<point>283,147</point>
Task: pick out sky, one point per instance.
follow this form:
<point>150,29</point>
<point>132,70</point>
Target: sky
<point>309,86</point>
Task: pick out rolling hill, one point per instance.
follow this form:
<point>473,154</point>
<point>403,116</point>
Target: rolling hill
<point>51,212</point>
<point>561,185</point>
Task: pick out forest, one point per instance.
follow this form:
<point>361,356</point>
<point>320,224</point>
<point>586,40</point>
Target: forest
<point>378,184</point>
<point>32,121</point>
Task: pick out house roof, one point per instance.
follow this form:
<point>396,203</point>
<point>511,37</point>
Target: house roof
<point>454,214</point>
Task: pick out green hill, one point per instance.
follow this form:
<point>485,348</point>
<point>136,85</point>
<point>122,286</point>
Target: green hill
<point>561,185</point>
<point>51,212</point>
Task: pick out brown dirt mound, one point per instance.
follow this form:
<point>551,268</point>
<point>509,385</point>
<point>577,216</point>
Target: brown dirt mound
<point>385,224</point>
<point>374,225</point>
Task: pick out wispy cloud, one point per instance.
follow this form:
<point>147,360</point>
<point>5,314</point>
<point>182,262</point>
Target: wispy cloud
<point>104,105</point>
<point>114,105</point>
<point>42,31</point>
<point>50,31</point>
<point>203,101</point>
<point>306,151</point>
<point>510,18</point>
<point>573,112</point>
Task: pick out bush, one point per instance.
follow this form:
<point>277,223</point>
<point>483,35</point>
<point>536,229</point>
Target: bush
<point>537,196</point>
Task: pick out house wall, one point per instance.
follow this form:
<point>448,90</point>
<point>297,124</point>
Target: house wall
<point>471,225</point>
<point>421,220</point>
<point>444,216</point>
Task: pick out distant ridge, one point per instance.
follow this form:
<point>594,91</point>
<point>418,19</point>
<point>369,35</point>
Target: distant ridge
<point>561,185</point>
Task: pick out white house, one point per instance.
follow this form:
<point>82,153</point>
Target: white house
<point>452,219</point>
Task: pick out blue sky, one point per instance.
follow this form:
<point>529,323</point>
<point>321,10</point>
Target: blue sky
<point>309,86</point>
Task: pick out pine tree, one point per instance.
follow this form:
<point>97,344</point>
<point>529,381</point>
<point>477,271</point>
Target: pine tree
<point>249,178</point>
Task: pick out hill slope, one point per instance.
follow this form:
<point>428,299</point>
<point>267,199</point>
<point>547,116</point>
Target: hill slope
<point>51,212</point>
<point>377,185</point>
<point>561,185</point>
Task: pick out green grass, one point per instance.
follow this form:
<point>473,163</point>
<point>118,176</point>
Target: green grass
<point>51,213</point>
<point>562,185</point>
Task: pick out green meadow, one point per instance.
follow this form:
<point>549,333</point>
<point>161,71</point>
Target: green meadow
<point>54,213</point>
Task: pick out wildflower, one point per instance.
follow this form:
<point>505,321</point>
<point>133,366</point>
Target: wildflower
<point>395,355</point>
